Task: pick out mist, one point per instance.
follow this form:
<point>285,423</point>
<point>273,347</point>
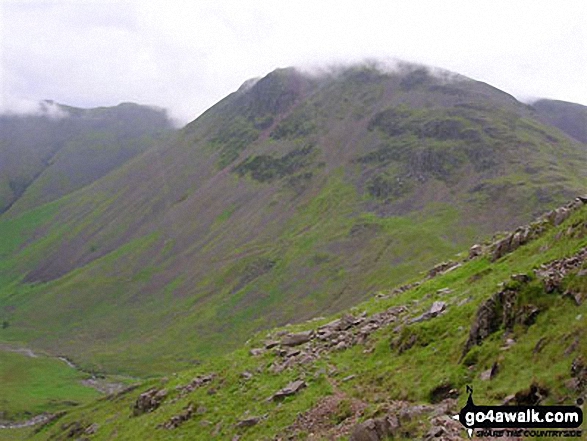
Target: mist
<point>186,57</point>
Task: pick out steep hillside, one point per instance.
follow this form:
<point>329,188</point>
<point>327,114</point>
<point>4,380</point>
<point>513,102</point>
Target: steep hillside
<point>571,118</point>
<point>295,196</point>
<point>48,155</point>
<point>506,318</point>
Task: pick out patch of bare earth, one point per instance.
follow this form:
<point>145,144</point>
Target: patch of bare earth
<point>320,422</point>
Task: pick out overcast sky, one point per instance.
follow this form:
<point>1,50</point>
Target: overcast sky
<point>186,56</point>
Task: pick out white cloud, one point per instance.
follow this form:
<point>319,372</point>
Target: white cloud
<point>188,55</point>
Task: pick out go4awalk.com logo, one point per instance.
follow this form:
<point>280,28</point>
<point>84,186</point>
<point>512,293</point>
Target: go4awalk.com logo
<point>517,421</point>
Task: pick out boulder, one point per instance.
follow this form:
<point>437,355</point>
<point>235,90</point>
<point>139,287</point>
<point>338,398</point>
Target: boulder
<point>297,339</point>
<point>436,309</point>
<point>291,389</point>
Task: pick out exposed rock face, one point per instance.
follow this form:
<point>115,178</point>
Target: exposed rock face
<point>149,401</point>
<point>501,310</point>
<point>493,313</point>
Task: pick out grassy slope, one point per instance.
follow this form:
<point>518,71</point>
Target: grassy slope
<point>45,158</point>
<point>148,277</point>
<point>31,386</point>
<point>381,374</point>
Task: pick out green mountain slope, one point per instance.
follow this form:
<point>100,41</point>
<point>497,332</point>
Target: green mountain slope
<point>295,196</point>
<point>507,320</point>
<point>46,156</point>
<point>571,118</point>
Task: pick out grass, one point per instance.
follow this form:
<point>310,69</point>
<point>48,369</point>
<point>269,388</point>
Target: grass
<point>151,279</point>
<point>35,385</point>
<point>381,374</point>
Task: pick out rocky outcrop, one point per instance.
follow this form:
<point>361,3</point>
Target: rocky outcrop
<point>492,314</point>
<point>196,383</point>
<point>177,420</point>
<point>524,234</point>
<point>349,330</point>
<point>553,273</point>
<point>149,401</point>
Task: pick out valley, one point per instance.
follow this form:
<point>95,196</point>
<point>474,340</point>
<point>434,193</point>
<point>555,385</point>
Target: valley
<point>179,260</point>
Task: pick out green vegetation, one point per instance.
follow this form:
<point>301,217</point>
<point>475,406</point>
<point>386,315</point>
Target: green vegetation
<point>265,168</point>
<point>33,385</point>
<point>169,262</point>
<point>414,365</point>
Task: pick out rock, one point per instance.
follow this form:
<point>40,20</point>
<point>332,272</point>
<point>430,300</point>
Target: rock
<point>248,422</point>
<point>246,375</point>
<point>297,339</point>
<point>579,374</point>
<point>195,383</point>
<point>508,343</point>
<point>271,344</point>
<point>149,401</point>
<point>442,268</point>
<point>530,397</point>
<point>540,345</point>
<point>443,392</point>
<point>490,373</point>
<point>501,248</point>
<point>340,346</point>
<point>475,251</point>
<point>435,310</point>
<point>572,347</point>
<point>560,215</point>
<point>291,389</point>
<point>375,429</point>
<point>522,278</point>
<point>92,429</point>
<point>576,297</point>
<point>491,315</point>
<point>177,420</point>
<point>255,352</point>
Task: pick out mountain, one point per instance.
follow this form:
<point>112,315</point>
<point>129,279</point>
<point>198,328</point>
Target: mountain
<point>571,118</point>
<point>47,155</point>
<point>509,322</point>
<point>296,196</point>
